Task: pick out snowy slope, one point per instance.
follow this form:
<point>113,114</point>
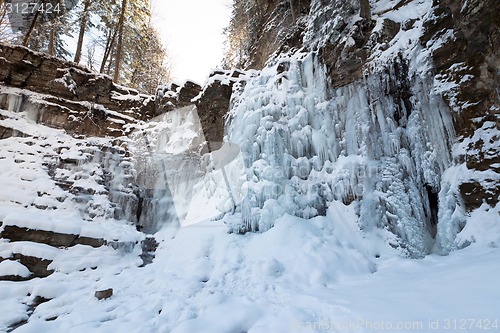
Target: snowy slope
<point>299,274</point>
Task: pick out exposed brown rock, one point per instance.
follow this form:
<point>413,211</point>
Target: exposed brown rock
<point>213,105</point>
<point>173,96</point>
<point>473,53</point>
<point>278,29</point>
<point>364,10</point>
<point>75,98</point>
<point>5,132</point>
<point>104,294</point>
<point>344,62</point>
<point>15,233</point>
<point>474,194</point>
<point>189,91</point>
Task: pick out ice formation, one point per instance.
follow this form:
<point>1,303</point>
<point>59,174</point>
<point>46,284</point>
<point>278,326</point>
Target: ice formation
<point>306,145</point>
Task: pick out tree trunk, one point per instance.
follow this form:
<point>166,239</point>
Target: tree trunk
<point>3,15</point>
<point>31,29</point>
<point>110,62</point>
<point>364,10</point>
<point>52,37</point>
<point>83,26</point>
<point>107,51</point>
<point>294,15</point>
<point>119,47</point>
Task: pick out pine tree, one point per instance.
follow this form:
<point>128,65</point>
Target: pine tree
<point>147,75</point>
<point>46,30</point>
<point>119,30</point>
<point>237,36</point>
<point>6,31</point>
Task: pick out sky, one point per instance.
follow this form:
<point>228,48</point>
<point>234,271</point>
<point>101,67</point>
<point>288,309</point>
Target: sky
<point>192,33</point>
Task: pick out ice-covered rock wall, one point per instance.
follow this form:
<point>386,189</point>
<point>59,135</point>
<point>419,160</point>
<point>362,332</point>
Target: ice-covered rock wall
<point>382,143</point>
<point>398,98</point>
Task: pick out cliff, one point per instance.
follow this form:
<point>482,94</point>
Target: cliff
<point>409,87</point>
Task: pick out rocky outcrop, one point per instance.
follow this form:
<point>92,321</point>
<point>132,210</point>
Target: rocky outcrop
<point>398,67</point>
<point>56,239</point>
<point>173,96</point>
<point>82,179</point>
<point>468,63</point>
<point>36,261</point>
<point>278,26</point>
<point>212,101</point>
<point>213,104</point>
<point>65,95</point>
<point>38,267</point>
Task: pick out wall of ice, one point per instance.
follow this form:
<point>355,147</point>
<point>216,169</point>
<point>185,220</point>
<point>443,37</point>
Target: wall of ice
<point>381,144</point>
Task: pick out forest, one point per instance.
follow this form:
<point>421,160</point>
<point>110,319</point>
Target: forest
<point>111,37</point>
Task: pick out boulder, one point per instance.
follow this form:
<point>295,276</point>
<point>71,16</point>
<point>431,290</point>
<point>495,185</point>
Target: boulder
<point>104,294</point>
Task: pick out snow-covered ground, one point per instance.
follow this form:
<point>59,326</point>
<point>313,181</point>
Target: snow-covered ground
<point>319,275</point>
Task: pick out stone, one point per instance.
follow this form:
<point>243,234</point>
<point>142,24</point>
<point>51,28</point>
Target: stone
<point>104,294</point>
<point>173,96</point>
<point>37,266</point>
<point>213,105</point>
<point>6,132</point>
<point>189,91</point>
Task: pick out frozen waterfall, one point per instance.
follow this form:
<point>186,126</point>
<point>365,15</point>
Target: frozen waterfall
<point>381,144</point>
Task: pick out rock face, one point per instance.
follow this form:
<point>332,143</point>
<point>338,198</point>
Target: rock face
<point>54,189</point>
<point>17,234</point>
<point>83,168</point>
<point>74,99</point>
<point>464,38</point>
<point>173,96</point>
<point>469,62</point>
<point>212,101</point>
<point>213,104</point>
<point>398,67</point>
<point>408,88</point>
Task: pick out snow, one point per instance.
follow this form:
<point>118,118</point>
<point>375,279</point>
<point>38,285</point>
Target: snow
<point>14,268</point>
<point>30,249</point>
<point>301,273</point>
<point>482,228</point>
<point>66,224</point>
